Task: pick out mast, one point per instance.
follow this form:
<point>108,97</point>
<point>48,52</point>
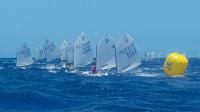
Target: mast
<point>116,57</point>
<point>73,52</point>
<point>17,56</point>
<point>96,55</point>
<point>66,55</point>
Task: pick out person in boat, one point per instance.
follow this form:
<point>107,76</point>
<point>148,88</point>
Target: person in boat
<point>69,66</point>
<point>93,70</point>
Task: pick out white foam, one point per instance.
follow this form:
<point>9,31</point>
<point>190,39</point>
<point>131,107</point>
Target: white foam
<point>178,76</point>
<point>85,73</point>
<point>23,67</point>
<point>88,73</point>
<point>5,62</point>
<point>148,74</point>
<point>53,71</point>
<point>50,67</point>
<point>42,67</point>
<point>72,71</point>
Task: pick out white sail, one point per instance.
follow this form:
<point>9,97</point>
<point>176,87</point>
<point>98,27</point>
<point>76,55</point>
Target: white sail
<point>126,54</point>
<point>67,51</point>
<point>70,52</point>
<point>105,53</point>
<point>160,55</point>
<point>51,51</point>
<point>153,55</point>
<point>39,54</point>
<point>63,48</point>
<point>82,51</point>
<point>24,56</point>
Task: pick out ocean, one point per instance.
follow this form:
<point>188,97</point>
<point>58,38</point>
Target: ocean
<point>147,89</point>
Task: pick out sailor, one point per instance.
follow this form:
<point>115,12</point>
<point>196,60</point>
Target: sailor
<point>94,70</point>
<point>69,67</point>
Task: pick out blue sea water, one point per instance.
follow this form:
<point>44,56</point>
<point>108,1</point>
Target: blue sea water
<point>147,89</point>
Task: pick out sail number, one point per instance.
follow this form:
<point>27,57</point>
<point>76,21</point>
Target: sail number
<point>25,53</point>
<point>129,50</point>
<point>86,47</point>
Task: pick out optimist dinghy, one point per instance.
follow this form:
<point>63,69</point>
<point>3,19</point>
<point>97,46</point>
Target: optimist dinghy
<point>24,57</point>
<point>126,54</point>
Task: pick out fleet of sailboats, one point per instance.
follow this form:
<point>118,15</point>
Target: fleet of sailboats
<point>122,55</point>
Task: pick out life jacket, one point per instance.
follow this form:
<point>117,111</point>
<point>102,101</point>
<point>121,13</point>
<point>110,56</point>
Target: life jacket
<point>93,70</point>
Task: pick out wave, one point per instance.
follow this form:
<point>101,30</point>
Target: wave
<point>149,74</point>
<point>53,71</point>
<point>88,73</point>
<point>147,88</point>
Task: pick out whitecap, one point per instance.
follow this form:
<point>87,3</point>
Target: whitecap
<point>50,67</point>
<point>53,71</point>
<point>177,76</point>
<point>71,71</point>
<point>42,67</point>
<point>148,74</point>
<point>88,73</point>
<point>23,67</point>
<point>5,62</point>
<point>58,68</point>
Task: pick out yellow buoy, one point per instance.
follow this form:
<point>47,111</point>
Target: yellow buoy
<point>175,64</point>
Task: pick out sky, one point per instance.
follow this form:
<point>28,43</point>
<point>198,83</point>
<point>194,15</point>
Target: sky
<point>156,25</point>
